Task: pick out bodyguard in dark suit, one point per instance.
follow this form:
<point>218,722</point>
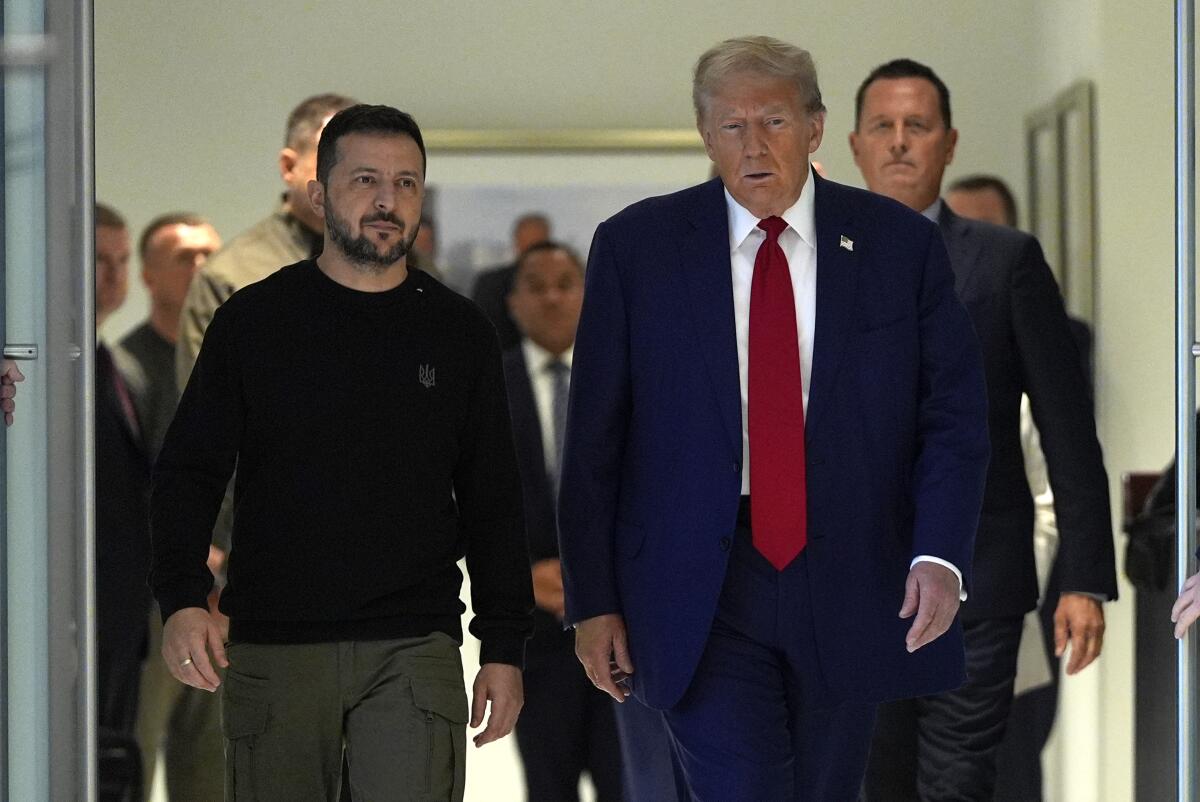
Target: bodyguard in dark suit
<point>494,284</point>
<point>566,727</point>
<point>122,499</point>
<point>776,449</point>
<point>944,746</point>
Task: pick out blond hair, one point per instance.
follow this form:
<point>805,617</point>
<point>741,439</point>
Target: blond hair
<point>762,55</point>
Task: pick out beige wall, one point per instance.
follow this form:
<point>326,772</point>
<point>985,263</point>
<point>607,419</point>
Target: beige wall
<point>191,99</point>
<point>1127,50</point>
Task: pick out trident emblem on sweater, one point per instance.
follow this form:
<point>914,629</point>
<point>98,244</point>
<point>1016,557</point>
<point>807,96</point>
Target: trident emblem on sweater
<point>425,376</point>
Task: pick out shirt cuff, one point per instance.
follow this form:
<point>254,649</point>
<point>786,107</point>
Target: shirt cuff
<point>925,558</point>
<point>1100,597</point>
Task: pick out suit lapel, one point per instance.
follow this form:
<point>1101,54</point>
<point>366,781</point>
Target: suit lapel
<point>837,277</point>
<point>709,278</point>
<point>527,427</point>
<point>113,374</point>
<point>963,248</point>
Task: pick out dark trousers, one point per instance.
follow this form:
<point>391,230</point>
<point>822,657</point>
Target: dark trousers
<point>752,725</point>
<point>944,747</point>
<point>566,728</point>
<point>1019,761</point>
<point>120,766</point>
<point>651,772</point>
<point>119,675</point>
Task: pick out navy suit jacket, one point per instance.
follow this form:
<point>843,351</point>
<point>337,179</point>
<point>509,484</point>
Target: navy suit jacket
<point>896,438</point>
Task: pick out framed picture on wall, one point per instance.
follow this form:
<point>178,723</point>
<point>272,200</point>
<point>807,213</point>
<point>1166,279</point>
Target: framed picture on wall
<point>1061,171</point>
<point>482,181</point>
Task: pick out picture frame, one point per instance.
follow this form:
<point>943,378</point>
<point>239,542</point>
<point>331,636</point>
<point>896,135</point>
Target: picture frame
<point>480,181</point>
<point>1060,164</point>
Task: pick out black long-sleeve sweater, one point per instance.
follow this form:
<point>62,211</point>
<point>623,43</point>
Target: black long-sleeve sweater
<point>373,448</point>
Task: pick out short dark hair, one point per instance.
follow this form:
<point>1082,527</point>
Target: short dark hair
<point>903,68</point>
<point>364,119</point>
<point>108,217</point>
<point>305,120</point>
<point>981,183</point>
<point>543,247</point>
<point>164,220</point>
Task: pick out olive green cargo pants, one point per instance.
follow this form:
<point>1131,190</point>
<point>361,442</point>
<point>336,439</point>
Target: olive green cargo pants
<point>398,706</point>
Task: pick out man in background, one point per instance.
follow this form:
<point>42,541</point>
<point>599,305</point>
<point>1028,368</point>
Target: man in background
<point>1018,764</point>
<point>944,746</point>
<point>294,231</point>
<point>183,722</point>
<point>122,500</point>
<point>567,726</point>
<point>985,198</point>
<point>424,250</point>
<point>173,248</point>
<point>494,284</point>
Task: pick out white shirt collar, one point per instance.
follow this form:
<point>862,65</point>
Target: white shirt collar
<point>537,357</point>
<point>934,211</point>
<point>800,217</point>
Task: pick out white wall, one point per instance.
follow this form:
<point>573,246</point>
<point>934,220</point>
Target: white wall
<point>191,98</point>
<point>1127,49</point>
<point>1135,291</point>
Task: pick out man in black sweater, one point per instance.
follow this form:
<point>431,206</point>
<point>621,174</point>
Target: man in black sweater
<point>364,405</point>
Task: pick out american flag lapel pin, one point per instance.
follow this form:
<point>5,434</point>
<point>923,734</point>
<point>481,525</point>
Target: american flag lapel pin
<point>847,243</point>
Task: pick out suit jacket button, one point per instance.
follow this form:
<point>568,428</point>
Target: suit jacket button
<point>725,544</point>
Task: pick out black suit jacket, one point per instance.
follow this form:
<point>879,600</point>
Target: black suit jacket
<point>540,522</point>
<point>1028,347</point>
<point>122,520</point>
<point>491,294</point>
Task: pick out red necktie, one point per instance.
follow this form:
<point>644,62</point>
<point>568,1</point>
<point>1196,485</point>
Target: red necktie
<point>778,494</point>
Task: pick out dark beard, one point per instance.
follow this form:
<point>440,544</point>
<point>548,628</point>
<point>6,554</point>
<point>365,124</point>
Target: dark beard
<point>361,251</point>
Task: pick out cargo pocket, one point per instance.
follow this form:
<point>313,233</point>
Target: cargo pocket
<point>243,720</point>
<point>443,704</point>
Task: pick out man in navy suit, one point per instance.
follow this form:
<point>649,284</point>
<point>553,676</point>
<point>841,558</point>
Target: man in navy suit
<point>775,454</point>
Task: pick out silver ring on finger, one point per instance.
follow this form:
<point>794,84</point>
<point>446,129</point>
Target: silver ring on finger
<point>185,662</point>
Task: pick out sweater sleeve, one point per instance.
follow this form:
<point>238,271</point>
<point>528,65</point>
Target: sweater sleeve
<point>194,466</point>
<point>487,486</point>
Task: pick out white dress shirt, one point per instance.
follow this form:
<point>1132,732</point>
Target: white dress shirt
<point>542,381</point>
<point>799,244</point>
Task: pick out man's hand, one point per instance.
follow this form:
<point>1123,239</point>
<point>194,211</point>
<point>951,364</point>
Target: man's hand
<point>1187,607</point>
<point>10,374</point>
<point>186,635</point>
<point>1080,619</point>
<point>501,684</point>
<point>601,646</point>
<point>548,587</point>
<point>216,560</point>
<point>931,591</point>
